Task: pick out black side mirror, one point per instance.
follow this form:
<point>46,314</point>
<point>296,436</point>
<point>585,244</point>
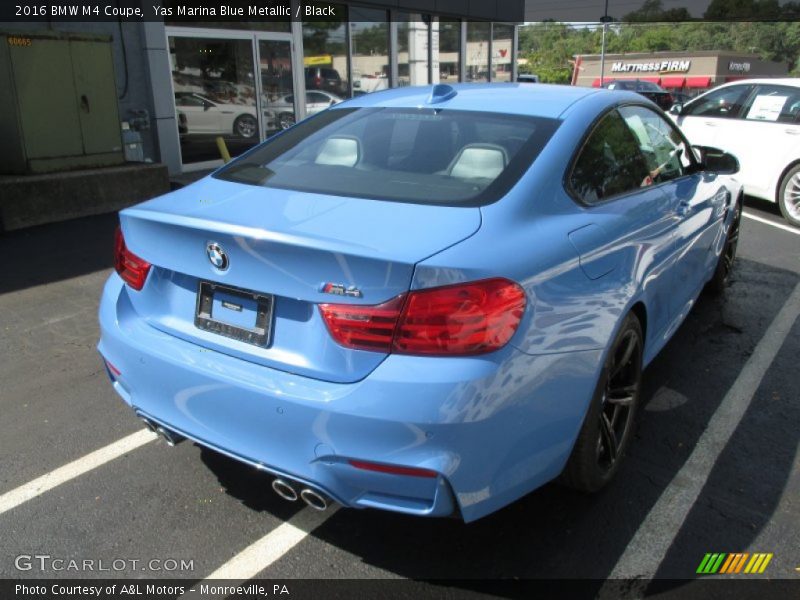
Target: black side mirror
<point>715,160</point>
<point>676,109</point>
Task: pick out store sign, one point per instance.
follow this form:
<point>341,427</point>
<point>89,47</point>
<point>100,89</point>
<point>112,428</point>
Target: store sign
<point>325,59</point>
<point>739,67</point>
<point>666,66</point>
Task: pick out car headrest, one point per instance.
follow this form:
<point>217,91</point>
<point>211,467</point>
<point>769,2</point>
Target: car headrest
<point>485,161</point>
<point>340,151</point>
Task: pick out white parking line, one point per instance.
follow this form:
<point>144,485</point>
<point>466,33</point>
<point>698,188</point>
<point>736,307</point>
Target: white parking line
<point>788,228</point>
<point>262,553</point>
<point>649,546</point>
<point>78,467</point>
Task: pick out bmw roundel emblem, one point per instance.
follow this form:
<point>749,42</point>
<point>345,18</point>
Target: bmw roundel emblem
<point>217,256</point>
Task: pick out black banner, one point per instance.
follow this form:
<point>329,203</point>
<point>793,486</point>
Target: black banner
<point>351,589</point>
<point>202,11</point>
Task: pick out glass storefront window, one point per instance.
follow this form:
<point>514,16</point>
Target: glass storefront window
<point>502,51</point>
<point>325,61</point>
<point>412,49</point>
<point>477,51</point>
<point>369,38</point>
<point>277,87</point>
<point>215,95</point>
<point>449,50</point>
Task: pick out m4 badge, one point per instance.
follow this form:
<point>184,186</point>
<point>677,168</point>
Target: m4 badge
<point>338,289</point>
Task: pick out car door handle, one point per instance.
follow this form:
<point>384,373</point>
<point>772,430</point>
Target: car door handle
<point>683,209</point>
<point>709,123</point>
<point>792,131</point>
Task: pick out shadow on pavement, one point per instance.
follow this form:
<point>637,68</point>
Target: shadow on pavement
<point>557,533</point>
<point>57,251</point>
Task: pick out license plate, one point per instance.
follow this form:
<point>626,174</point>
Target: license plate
<point>235,313</point>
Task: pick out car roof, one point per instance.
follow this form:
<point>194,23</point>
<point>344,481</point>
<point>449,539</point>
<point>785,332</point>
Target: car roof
<point>792,81</point>
<point>541,100</point>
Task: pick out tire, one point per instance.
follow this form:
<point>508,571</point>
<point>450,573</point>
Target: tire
<point>609,422</point>
<point>245,126</point>
<point>722,273</point>
<point>286,120</point>
<point>789,196</point>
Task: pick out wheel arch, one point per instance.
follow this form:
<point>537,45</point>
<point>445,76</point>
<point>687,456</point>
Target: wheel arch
<point>779,182</point>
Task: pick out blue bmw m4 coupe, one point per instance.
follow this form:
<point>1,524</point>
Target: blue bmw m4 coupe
<point>424,300</point>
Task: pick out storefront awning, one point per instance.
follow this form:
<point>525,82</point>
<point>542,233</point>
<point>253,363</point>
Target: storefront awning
<point>673,82</point>
<point>650,79</point>
<point>698,82</point>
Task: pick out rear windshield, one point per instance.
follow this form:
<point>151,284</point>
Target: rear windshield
<point>431,156</point>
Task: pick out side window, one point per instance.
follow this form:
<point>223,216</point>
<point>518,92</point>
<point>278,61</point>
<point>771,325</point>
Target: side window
<point>184,100</point>
<point>776,103</point>
<point>725,103</point>
<point>610,162</point>
<point>661,145</point>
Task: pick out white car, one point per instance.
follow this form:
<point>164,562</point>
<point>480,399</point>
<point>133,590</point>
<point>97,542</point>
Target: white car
<point>316,101</point>
<point>206,116</point>
<point>758,121</point>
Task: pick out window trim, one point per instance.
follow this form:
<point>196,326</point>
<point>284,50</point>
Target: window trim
<point>754,94</point>
<point>747,99</point>
<point>567,178</point>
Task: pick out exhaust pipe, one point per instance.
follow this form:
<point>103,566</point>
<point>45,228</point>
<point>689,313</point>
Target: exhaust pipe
<point>314,500</point>
<point>168,436</point>
<point>284,490</point>
<point>148,424</point>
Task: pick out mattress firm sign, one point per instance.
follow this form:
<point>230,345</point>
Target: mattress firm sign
<point>665,66</point>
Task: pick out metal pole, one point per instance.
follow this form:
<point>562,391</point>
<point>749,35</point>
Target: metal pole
<point>603,46</point>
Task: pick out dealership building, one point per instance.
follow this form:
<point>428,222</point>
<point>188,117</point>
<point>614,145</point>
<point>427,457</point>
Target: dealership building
<point>688,72</point>
<point>181,83</point>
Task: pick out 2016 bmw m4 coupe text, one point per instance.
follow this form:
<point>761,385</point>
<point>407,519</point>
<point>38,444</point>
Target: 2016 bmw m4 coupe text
<point>424,300</point>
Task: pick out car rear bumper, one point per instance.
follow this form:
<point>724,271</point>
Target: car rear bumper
<point>493,428</point>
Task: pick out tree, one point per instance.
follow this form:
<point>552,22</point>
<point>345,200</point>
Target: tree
<point>653,11</point>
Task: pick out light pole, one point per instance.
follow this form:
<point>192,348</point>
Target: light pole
<point>604,20</point>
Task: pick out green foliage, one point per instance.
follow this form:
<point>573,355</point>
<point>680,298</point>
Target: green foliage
<point>550,48</point>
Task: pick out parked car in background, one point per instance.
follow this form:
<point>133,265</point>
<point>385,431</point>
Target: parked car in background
<point>527,78</point>
<point>758,121</point>
<point>206,116</point>
<point>427,300</point>
<point>648,89</point>
<point>325,79</point>
<point>316,101</point>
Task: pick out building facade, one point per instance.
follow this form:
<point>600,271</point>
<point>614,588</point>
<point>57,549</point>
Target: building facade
<point>183,83</point>
<point>687,72</point>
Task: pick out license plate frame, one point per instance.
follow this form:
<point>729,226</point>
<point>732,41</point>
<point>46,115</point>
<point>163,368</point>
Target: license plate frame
<point>259,335</point>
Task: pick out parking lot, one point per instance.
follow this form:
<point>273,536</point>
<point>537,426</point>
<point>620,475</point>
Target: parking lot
<point>714,467</point>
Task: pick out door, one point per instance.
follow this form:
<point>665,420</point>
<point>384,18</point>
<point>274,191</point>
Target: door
<point>46,91</point>
<point>199,118</point>
<point>703,119</point>
<point>96,91</point>
<point>637,219</point>
<point>276,79</point>
<point>770,120</point>
<point>699,203</point>
<point>215,93</point>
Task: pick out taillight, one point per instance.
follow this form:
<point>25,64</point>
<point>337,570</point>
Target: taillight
<point>363,327</point>
<point>130,267</point>
<point>463,319</point>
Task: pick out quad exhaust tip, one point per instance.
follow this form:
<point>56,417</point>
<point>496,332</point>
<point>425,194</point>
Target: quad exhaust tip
<point>168,436</point>
<point>313,499</point>
<point>284,490</point>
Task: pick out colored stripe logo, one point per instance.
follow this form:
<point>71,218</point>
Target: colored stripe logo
<point>734,563</point>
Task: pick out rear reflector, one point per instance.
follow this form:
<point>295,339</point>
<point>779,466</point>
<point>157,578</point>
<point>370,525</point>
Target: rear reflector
<point>456,320</point>
<point>392,469</point>
<point>130,267</point>
<point>114,370</point>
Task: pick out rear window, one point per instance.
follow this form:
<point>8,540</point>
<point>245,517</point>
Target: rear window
<point>425,155</point>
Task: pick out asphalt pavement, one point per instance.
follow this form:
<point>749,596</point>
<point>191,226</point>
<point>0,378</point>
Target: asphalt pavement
<point>711,468</point>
